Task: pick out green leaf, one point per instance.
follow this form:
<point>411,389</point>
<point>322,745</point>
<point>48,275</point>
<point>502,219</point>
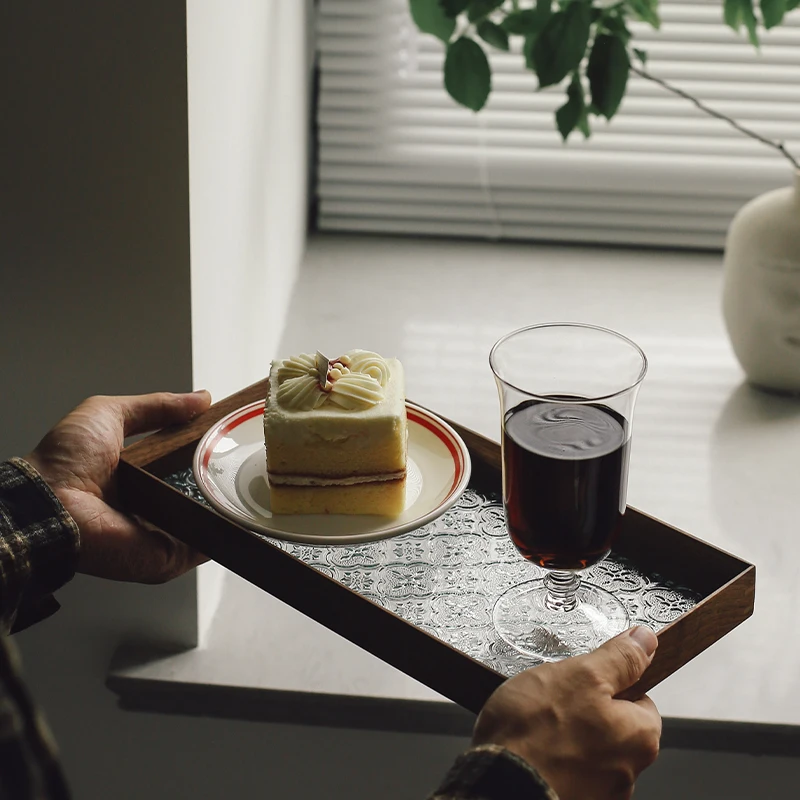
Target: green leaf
<point>568,117</point>
<point>615,24</point>
<point>608,70</point>
<point>528,21</point>
<point>541,14</point>
<point>732,11</point>
<point>561,45</point>
<point>518,23</point>
<point>737,12</point>
<point>478,9</point>
<point>642,54</point>
<point>544,8</point>
<point>430,18</point>
<point>527,50</point>
<point>791,5</point>
<point>467,74</point>
<point>772,12</point>
<point>647,11</point>
<point>452,8</point>
<point>583,125</point>
<point>750,22</point>
<point>493,34</point>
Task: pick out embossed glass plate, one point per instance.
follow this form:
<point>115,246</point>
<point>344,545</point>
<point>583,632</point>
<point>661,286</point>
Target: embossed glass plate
<point>445,577</point>
<point>230,471</point>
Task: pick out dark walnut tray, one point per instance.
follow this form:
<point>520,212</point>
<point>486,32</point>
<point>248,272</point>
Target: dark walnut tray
<point>422,601</point>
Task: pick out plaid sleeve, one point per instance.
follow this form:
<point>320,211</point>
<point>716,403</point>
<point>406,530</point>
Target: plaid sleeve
<point>490,772</point>
<point>38,546</point>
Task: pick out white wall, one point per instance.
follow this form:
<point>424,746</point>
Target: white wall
<point>248,94</point>
<point>248,122</point>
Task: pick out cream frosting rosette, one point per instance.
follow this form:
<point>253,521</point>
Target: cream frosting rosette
<point>354,381</point>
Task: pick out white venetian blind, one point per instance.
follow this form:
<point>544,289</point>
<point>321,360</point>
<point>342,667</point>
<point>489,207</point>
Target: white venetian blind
<point>397,155</point>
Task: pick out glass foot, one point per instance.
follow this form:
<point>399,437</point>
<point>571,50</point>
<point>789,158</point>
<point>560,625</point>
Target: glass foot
<point>524,621</point>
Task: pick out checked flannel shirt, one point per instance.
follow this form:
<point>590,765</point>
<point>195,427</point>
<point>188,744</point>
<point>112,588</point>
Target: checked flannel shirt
<point>38,553</point>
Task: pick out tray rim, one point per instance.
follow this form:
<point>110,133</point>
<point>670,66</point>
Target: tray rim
<point>443,668</point>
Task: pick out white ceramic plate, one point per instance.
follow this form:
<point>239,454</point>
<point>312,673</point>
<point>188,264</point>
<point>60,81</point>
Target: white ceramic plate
<point>231,471</point>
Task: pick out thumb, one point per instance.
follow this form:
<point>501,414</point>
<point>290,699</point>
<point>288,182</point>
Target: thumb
<point>147,412</point>
<point>621,661</point>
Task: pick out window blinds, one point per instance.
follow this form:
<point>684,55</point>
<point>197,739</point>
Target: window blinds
<point>397,155</point>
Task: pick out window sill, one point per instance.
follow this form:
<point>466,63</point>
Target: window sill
<point>262,660</point>
<point>439,305</point>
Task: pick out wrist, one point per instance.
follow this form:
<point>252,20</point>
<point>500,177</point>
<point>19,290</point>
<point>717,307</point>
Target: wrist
<point>42,469</point>
<point>520,749</point>
<point>56,483</point>
<point>492,772</point>
<point>49,484</point>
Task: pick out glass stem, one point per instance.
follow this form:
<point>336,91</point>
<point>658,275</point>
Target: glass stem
<point>562,587</point>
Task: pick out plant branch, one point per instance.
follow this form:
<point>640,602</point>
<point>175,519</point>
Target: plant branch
<point>711,112</point>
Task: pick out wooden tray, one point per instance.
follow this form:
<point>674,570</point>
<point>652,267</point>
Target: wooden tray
<point>723,585</point>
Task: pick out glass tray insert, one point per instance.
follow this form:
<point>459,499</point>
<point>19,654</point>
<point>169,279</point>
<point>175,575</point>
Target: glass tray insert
<point>446,576</point>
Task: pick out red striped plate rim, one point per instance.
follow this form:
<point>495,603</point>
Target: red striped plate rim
<point>439,428</point>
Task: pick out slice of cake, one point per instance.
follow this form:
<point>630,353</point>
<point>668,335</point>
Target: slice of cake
<point>335,433</point>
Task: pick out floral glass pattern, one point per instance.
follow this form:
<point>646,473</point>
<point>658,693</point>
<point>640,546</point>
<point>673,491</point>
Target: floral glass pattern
<point>445,577</point>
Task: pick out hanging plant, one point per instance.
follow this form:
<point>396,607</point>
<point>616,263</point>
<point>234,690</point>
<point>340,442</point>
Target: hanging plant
<point>584,45</point>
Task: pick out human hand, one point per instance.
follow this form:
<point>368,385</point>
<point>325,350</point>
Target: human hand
<point>564,720</point>
<point>78,459</point>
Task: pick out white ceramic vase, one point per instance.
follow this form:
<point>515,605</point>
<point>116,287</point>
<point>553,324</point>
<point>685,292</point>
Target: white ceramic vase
<point>761,295</point>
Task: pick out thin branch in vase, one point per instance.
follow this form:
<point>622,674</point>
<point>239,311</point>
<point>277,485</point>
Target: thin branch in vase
<point>779,146</point>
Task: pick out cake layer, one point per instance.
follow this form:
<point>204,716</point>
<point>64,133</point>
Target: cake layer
<point>334,442</point>
<point>384,498</point>
<point>305,480</point>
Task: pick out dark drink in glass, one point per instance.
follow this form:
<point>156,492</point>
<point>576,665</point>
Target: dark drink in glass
<point>567,394</point>
<point>565,475</point>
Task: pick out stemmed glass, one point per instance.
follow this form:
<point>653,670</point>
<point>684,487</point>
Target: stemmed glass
<point>567,393</point>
